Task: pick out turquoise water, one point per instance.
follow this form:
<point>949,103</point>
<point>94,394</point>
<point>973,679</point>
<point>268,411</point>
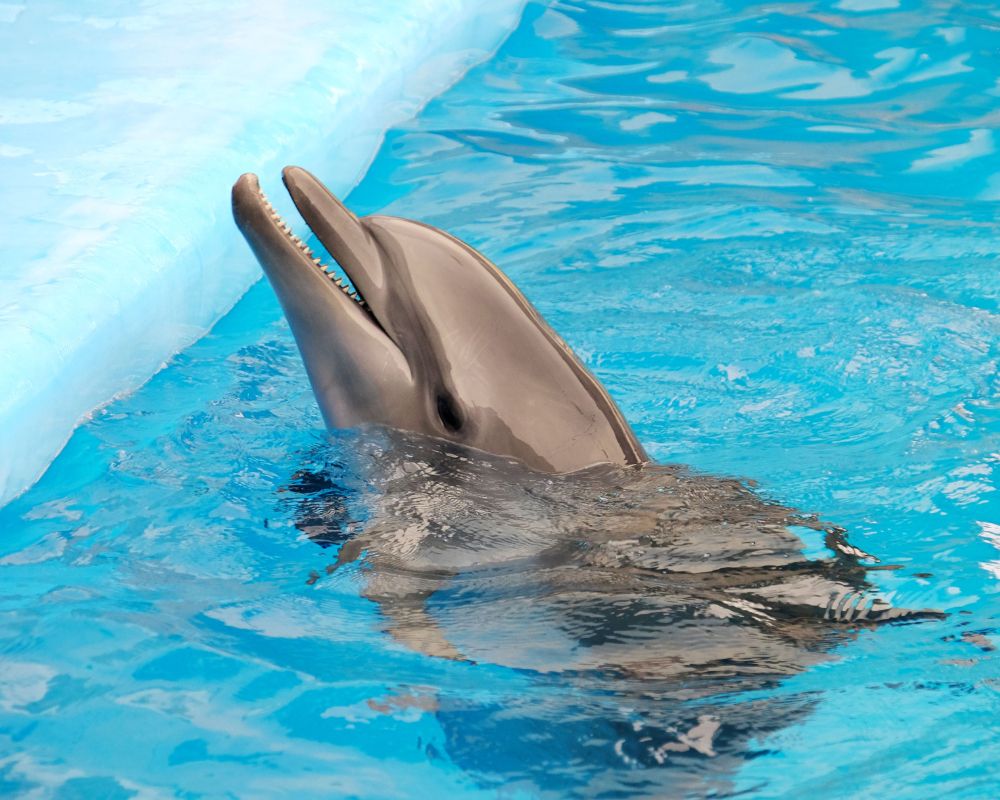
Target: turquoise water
<point>771,231</point>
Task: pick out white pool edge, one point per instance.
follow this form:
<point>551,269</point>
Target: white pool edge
<point>196,266</point>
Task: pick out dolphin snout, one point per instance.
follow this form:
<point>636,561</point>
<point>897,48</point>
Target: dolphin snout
<point>338,229</point>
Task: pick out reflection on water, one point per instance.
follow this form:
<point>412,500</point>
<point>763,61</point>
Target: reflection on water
<point>771,230</point>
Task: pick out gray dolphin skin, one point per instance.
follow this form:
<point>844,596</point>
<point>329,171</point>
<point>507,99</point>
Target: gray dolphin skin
<point>434,338</point>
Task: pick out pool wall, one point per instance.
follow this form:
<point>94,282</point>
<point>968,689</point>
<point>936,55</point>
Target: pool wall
<point>121,132</point>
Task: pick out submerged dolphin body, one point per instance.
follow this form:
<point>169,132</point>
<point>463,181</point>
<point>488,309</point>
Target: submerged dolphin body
<point>435,339</point>
<point>652,608</point>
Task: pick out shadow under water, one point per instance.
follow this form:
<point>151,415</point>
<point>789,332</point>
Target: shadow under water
<point>657,603</point>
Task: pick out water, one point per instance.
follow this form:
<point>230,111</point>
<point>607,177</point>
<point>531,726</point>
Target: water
<point>770,230</point>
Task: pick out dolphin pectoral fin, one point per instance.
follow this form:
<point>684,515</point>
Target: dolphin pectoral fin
<point>857,607</point>
<point>832,601</point>
<point>403,604</point>
<point>350,551</point>
<point>413,627</point>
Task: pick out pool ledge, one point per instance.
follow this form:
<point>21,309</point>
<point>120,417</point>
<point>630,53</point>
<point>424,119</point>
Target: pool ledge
<point>120,137</point>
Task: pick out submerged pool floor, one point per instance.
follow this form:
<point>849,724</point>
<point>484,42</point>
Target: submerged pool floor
<point>771,231</point>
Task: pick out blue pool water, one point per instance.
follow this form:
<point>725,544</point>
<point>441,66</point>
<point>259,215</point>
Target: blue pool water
<point>771,231</point>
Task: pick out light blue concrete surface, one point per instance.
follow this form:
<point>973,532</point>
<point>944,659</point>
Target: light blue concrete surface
<point>122,129</point>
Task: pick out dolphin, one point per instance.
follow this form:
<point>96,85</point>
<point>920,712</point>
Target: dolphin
<point>428,336</point>
<point>507,514</point>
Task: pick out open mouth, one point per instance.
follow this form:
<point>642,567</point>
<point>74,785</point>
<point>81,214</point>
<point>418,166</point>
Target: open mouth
<point>342,246</point>
<point>334,272</point>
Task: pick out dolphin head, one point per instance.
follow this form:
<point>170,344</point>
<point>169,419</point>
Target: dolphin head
<point>431,337</point>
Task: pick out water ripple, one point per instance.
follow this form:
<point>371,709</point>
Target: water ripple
<point>771,230</point>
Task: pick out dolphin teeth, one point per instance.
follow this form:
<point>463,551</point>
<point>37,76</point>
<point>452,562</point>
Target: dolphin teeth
<point>307,251</point>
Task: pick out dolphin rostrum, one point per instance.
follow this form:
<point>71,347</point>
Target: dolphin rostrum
<point>433,337</point>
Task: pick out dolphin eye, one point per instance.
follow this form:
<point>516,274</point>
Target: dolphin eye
<point>448,411</point>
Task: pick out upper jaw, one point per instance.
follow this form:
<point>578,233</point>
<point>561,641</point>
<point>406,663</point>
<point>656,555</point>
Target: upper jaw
<point>277,248</point>
<point>343,235</point>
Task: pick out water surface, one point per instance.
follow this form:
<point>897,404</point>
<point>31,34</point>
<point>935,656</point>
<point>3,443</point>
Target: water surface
<point>771,231</point>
